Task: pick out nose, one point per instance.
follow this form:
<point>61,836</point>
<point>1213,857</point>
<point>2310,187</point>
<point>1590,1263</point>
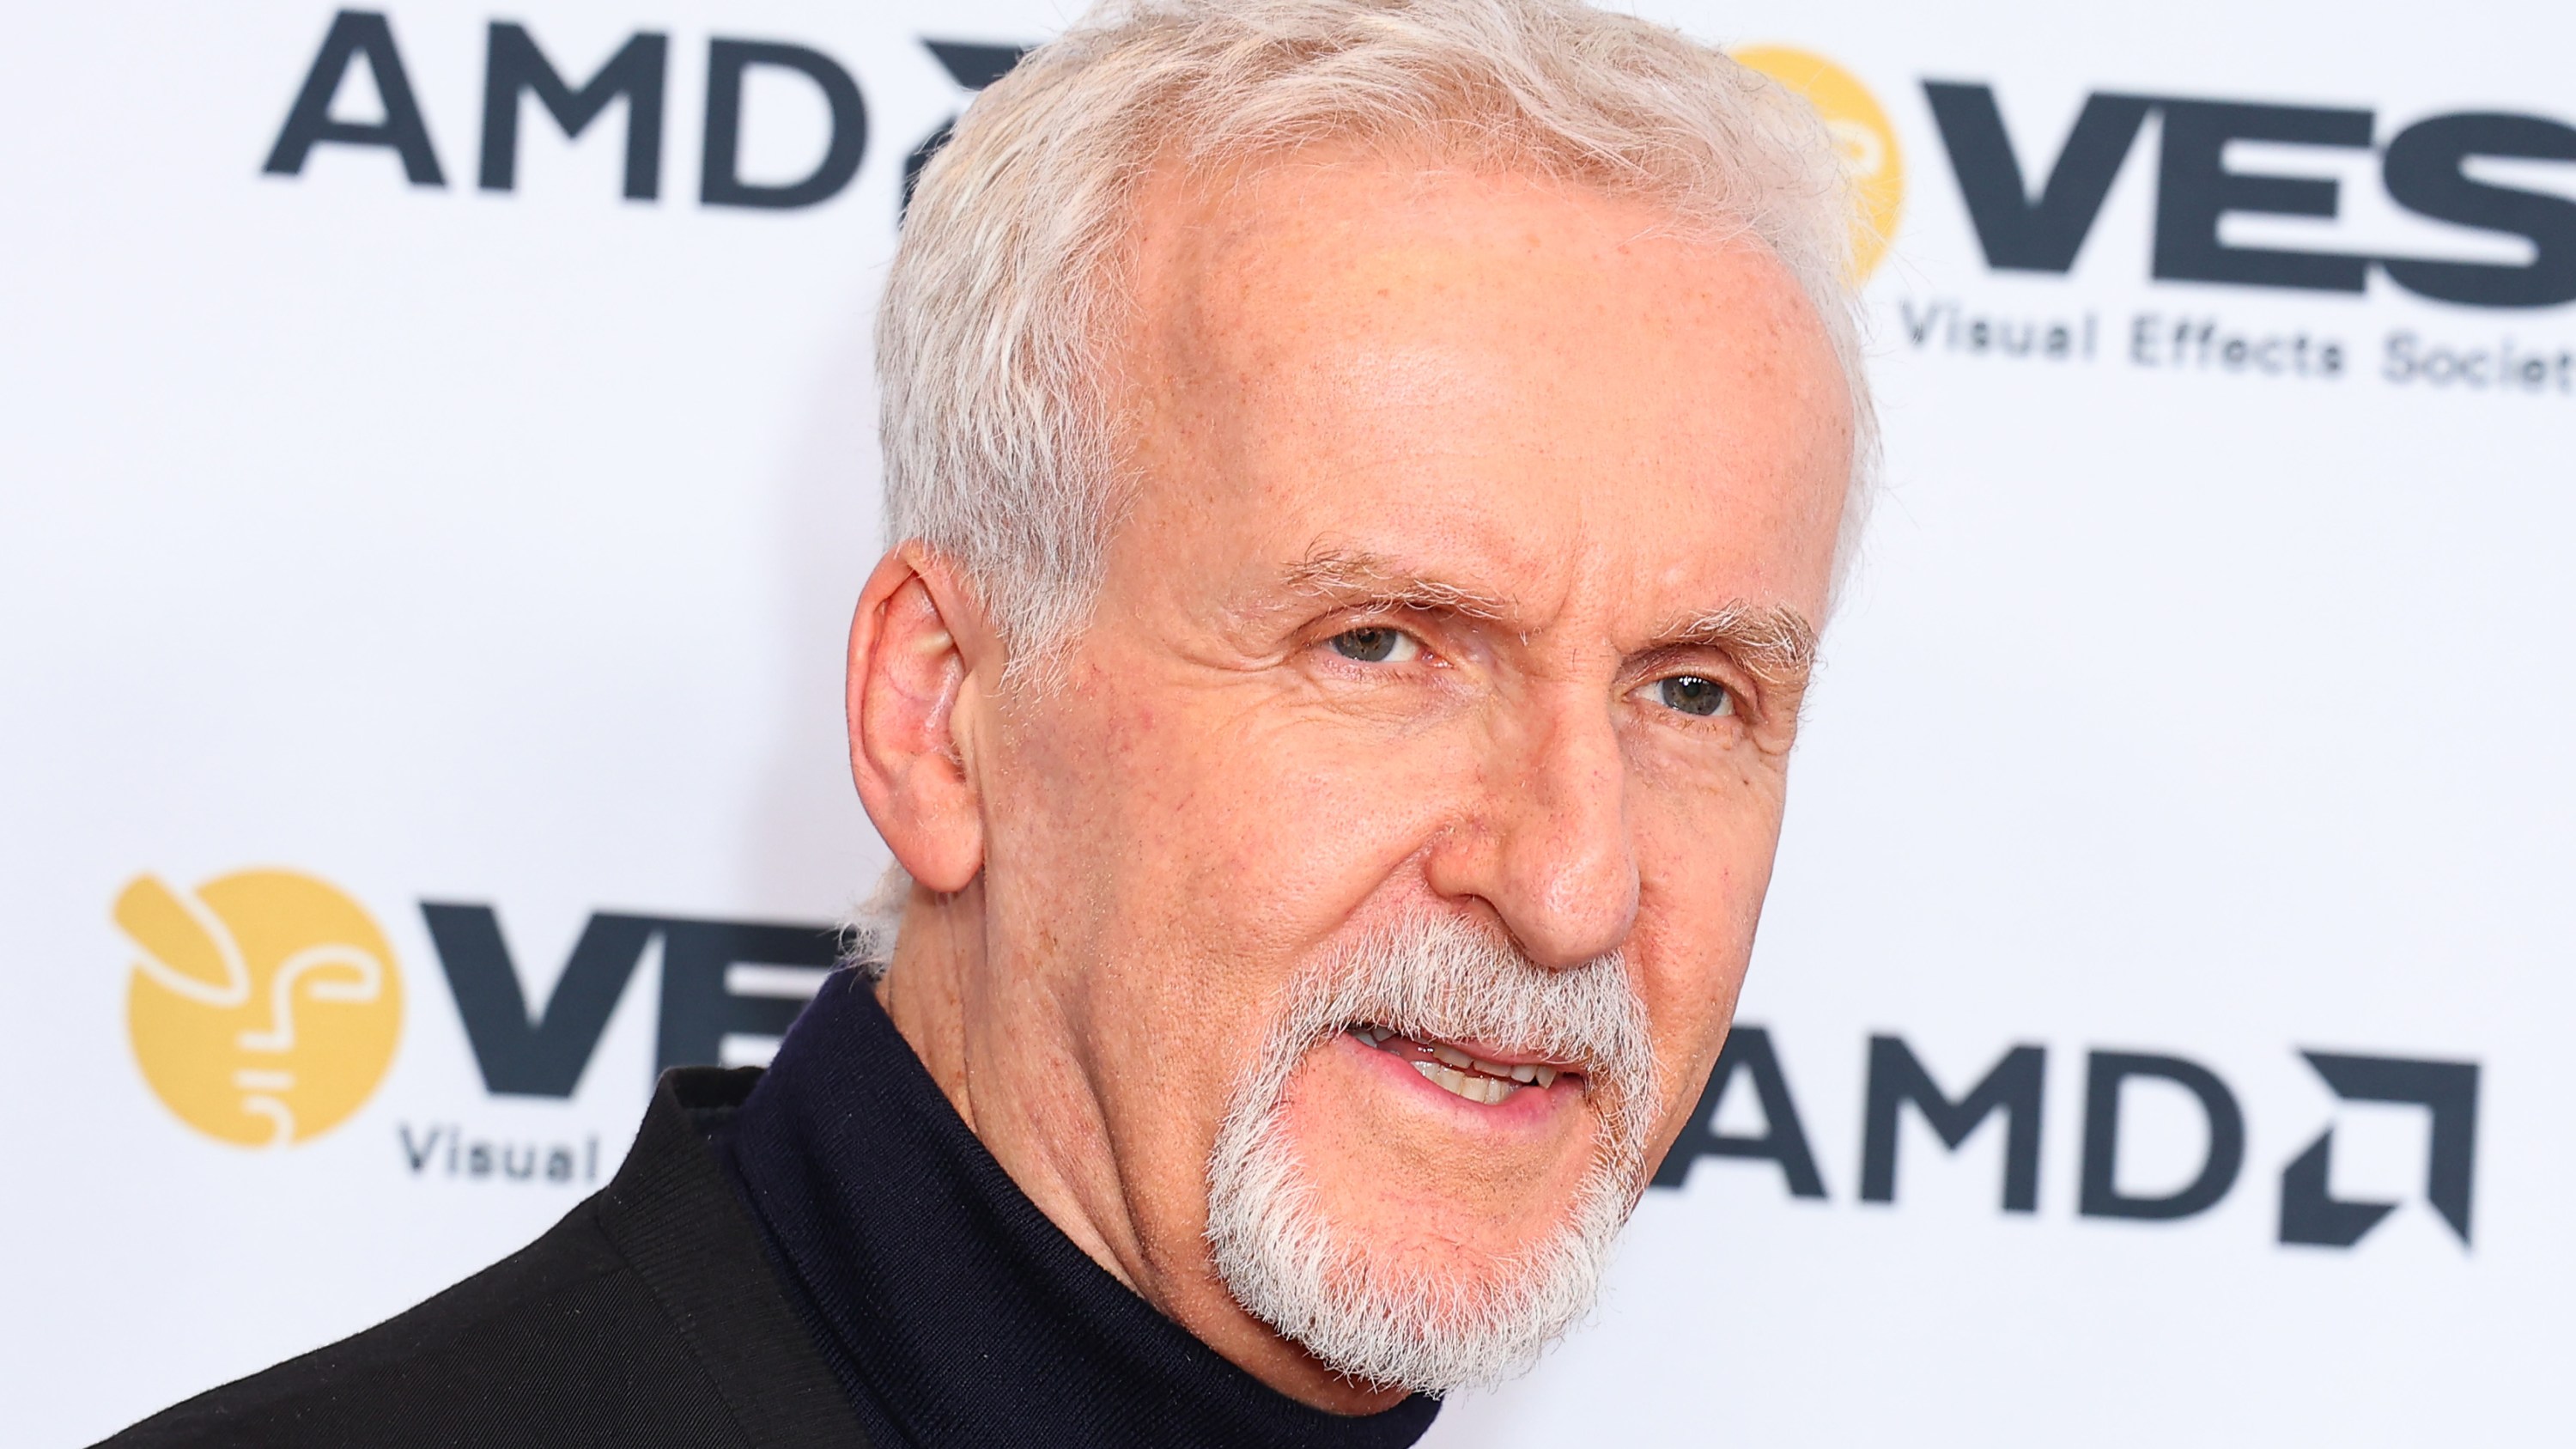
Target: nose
<point>1544,842</point>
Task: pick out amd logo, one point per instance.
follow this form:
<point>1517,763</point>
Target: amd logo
<point>2012,1089</point>
<point>515,70</point>
<point>2428,168</point>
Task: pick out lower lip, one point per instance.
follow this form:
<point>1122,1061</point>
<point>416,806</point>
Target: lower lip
<point>1528,1106</point>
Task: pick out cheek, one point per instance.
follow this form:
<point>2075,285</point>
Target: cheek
<point>1690,997</point>
<point>1704,851</point>
<point>1176,850</point>
<point>1703,871</point>
<point>1215,808</point>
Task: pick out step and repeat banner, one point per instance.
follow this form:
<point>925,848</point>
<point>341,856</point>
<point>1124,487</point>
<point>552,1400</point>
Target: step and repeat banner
<point>438,463</point>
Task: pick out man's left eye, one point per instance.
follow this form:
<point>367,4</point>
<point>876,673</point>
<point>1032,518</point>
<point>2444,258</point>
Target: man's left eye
<point>1377,645</point>
<point>1695,694</point>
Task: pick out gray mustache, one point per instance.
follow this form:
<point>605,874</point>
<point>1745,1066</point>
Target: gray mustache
<point>1443,977</point>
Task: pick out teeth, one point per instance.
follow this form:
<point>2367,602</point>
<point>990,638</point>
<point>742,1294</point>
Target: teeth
<point>1473,1078</point>
<point>1474,1088</point>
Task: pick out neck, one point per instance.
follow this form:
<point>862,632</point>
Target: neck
<point>996,1041</point>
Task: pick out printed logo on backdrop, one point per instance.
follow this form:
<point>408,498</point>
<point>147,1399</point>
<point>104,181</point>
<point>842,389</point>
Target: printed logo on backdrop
<point>2031,210</point>
<point>360,47</point>
<point>2013,1091</point>
<point>263,1006</point>
<point>2495,185</point>
<point>2427,168</point>
<point>359,52</point>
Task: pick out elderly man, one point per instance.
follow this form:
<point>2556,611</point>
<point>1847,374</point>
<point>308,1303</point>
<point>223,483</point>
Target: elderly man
<point>1364,475</point>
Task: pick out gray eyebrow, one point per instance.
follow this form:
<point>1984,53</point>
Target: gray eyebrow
<point>1357,575</point>
<point>1776,643</point>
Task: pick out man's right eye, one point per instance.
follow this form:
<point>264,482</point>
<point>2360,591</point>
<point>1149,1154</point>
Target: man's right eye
<point>1377,645</point>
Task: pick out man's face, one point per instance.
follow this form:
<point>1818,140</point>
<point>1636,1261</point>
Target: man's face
<point>1475,523</point>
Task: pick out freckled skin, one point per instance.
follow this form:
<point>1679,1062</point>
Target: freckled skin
<point>1539,398</point>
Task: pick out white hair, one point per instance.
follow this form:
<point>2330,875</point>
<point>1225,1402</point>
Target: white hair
<point>1000,313</point>
<point>1371,1310</point>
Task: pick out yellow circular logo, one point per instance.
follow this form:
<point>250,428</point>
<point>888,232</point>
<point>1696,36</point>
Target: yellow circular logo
<point>1868,142</point>
<point>264,1006</point>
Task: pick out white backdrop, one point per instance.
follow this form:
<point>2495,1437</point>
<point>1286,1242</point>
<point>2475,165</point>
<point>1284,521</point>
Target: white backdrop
<point>492,548</point>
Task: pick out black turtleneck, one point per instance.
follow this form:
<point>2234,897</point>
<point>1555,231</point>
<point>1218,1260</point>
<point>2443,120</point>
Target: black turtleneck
<point>953,1311</point>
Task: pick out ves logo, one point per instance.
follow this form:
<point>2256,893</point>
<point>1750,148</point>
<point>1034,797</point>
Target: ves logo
<point>263,1006</point>
<point>1860,127</point>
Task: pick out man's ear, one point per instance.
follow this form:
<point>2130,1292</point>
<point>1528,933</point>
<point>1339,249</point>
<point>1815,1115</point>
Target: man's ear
<point>915,651</point>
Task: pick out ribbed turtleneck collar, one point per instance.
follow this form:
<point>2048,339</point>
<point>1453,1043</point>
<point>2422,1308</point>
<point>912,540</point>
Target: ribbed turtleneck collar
<point>953,1310</point>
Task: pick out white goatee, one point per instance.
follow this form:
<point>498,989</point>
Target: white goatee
<point>1363,1308</point>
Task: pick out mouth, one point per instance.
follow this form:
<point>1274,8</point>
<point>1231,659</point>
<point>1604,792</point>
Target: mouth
<point>1477,1071</point>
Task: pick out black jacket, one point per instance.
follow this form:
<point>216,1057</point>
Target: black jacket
<point>649,1316</point>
